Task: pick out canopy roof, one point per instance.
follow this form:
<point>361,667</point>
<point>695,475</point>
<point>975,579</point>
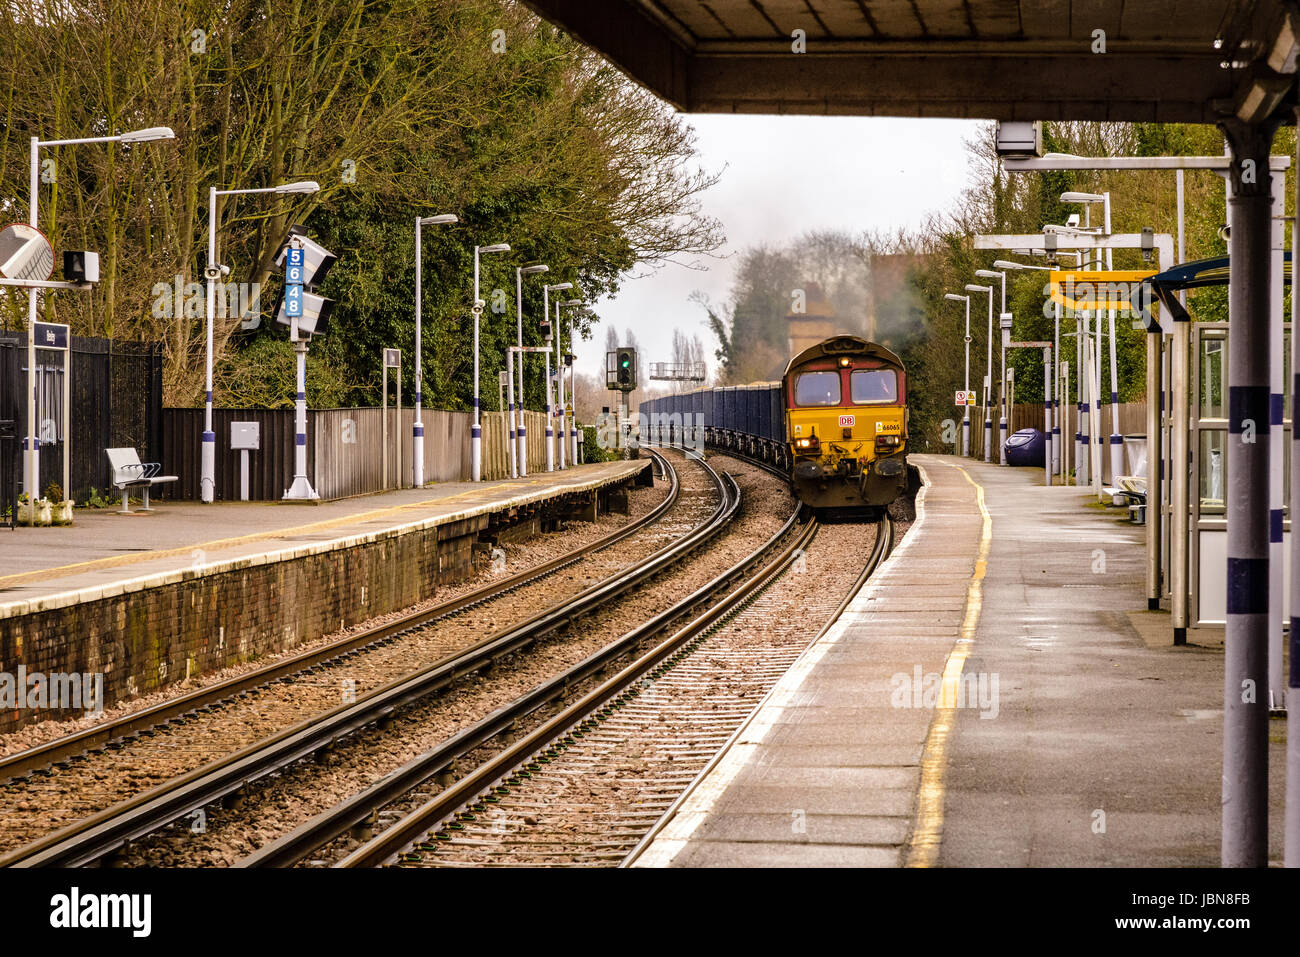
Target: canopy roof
<point>1163,60</point>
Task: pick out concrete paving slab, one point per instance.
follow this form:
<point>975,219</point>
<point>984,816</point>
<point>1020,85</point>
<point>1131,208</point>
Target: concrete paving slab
<point>1087,739</point>
<point>107,553</point>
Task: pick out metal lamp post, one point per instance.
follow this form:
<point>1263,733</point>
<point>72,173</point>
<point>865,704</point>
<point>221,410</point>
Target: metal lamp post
<point>988,375</point>
<point>417,429</point>
<point>550,407</point>
<point>1060,463</point>
<point>573,430</point>
<point>1053,403</point>
<point>965,421</point>
<point>476,430</point>
<point>32,442</point>
<point>213,274</point>
<point>1116,441</point>
<point>1002,368</point>
<point>521,452</point>
<point>1086,360</point>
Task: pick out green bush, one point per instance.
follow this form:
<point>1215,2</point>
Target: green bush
<point>591,450</point>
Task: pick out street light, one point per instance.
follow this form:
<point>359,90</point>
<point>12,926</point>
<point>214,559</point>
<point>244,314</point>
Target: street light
<point>213,273</point>
<point>417,429</point>
<point>476,430</point>
<point>1054,436</point>
<point>573,420</point>
<point>550,407</point>
<point>522,452</point>
<point>965,422</point>
<point>1002,365</point>
<point>988,375</point>
<point>32,443</point>
<point>1116,442</point>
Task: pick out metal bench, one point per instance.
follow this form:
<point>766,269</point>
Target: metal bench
<point>129,472</point>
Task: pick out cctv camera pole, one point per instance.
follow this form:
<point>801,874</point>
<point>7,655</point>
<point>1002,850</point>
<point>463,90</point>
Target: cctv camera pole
<point>32,445</point>
<point>521,449</point>
<point>1002,386</point>
<point>476,430</point>
<point>559,385</point>
<point>988,386</point>
<point>208,457</point>
<point>550,409</point>
<point>573,398</point>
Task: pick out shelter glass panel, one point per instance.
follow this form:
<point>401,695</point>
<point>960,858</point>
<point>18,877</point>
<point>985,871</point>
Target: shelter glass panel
<point>1213,467</point>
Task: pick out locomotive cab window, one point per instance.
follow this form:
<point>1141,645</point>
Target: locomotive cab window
<point>817,388</point>
<point>873,385</point>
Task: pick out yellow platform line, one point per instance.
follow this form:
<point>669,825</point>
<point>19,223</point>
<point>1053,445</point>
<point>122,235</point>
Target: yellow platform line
<point>116,561</point>
<point>923,848</point>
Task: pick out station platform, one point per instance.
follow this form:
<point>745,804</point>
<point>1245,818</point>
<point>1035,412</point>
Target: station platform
<point>997,695</point>
<point>190,588</point>
<point>106,550</point>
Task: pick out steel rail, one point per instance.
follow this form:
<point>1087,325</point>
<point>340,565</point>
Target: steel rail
<point>42,758</point>
<point>391,842</point>
<point>880,550</point>
<point>365,805</point>
<point>101,834</point>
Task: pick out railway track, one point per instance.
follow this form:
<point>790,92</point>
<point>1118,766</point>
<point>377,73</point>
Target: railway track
<point>95,837</point>
<point>586,787</point>
<point>537,801</point>
<point>46,758</point>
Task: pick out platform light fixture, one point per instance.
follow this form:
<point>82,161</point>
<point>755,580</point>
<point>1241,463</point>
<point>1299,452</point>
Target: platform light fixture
<point>31,442</point>
<point>417,427</point>
<point>965,421</point>
<point>519,446</point>
<point>476,429</point>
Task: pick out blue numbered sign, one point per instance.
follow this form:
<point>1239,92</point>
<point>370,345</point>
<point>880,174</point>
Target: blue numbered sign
<point>293,267</point>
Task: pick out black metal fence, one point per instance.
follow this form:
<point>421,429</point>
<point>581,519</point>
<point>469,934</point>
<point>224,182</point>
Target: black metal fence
<point>270,469</point>
<point>115,400</point>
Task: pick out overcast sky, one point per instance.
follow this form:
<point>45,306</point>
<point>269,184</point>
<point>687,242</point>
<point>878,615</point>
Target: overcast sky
<point>784,176</point>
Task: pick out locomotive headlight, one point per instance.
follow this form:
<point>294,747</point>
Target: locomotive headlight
<point>886,442</point>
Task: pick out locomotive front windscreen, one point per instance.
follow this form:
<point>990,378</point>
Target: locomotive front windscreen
<point>817,388</point>
<point>873,385</point>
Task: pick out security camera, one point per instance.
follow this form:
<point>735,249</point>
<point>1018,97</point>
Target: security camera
<point>1072,220</point>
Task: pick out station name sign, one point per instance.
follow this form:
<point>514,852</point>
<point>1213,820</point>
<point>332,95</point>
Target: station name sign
<point>51,335</point>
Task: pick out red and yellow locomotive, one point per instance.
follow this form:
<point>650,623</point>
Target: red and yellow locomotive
<point>846,423</point>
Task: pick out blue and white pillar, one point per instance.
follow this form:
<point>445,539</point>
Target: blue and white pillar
<point>1245,722</point>
<point>510,400</point>
<point>1291,830</point>
<point>1056,399</point>
<point>1277,255</point>
<point>301,487</point>
<point>417,428</point>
